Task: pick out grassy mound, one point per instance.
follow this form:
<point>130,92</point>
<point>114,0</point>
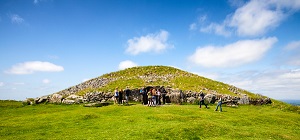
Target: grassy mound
<point>137,77</point>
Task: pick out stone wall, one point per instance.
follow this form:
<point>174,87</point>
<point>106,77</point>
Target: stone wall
<point>175,96</point>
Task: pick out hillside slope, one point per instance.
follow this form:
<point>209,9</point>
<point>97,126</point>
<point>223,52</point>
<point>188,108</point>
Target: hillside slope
<point>137,77</point>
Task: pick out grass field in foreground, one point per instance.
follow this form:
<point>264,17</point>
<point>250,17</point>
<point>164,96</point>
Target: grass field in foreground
<point>141,122</point>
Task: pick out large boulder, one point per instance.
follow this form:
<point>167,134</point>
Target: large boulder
<point>28,101</point>
<point>93,97</point>
<point>42,99</point>
<point>77,99</point>
<point>176,96</point>
<point>244,100</point>
<point>267,101</point>
<point>55,98</point>
<point>108,96</point>
<point>260,101</point>
<point>68,102</point>
<point>210,98</point>
<point>191,100</point>
<point>73,97</point>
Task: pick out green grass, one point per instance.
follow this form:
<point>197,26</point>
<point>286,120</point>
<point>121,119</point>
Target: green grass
<point>141,122</point>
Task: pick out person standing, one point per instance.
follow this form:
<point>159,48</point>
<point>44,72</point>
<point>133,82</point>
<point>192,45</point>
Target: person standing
<point>202,99</point>
<point>149,98</point>
<point>158,97</point>
<point>127,93</point>
<point>121,96</point>
<point>142,94</point>
<point>116,95</point>
<point>164,93</point>
<point>154,96</point>
<point>219,105</point>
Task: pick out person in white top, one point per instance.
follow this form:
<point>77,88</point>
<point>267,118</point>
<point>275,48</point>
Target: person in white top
<point>116,96</point>
<point>219,104</point>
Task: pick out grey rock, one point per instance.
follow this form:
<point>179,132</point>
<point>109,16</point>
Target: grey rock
<point>244,100</point>
<point>191,100</point>
<point>93,105</point>
<point>68,102</point>
<point>55,98</point>
<point>210,98</point>
<point>74,97</point>
<point>28,101</point>
<point>175,96</point>
<point>42,99</point>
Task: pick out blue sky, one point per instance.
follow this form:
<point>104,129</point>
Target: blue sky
<point>49,45</point>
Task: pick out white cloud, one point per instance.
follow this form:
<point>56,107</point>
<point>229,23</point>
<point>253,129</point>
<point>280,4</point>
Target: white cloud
<point>287,4</point>
<point>46,81</point>
<point>84,80</point>
<point>149,43</point>
<point>37,1</point>
<point>201,20</point>
<point>217,29</point>
<point>16,19</point>
<point>34,66</point>
<point>236,3</point>
<point>290,54</point>
<point>238,53</point>
<point>175,67</point>
<point>127,64</point>
<point>19,83</point>
<point>210,75</point>
<point>294,61</point>
<point>254,18</point>
<point>1,84</point>
<point>293,45</point>
<point>193,26</point>
<point>293,74</point>
<point>278,84</point>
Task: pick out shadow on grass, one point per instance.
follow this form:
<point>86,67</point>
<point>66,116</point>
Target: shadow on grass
<point>129,104</point>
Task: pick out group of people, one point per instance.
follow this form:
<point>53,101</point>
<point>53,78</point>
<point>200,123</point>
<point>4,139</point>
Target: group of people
<point>119,95</point>
<point>152,97</point>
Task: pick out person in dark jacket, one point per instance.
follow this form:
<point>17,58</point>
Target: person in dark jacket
<point>164,93</point>
<point>121,96</point>
<point>202,99</point>
<point>143,92</point>
<point>127,93</point>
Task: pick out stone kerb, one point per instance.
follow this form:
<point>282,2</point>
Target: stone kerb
<point>175,96</point>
